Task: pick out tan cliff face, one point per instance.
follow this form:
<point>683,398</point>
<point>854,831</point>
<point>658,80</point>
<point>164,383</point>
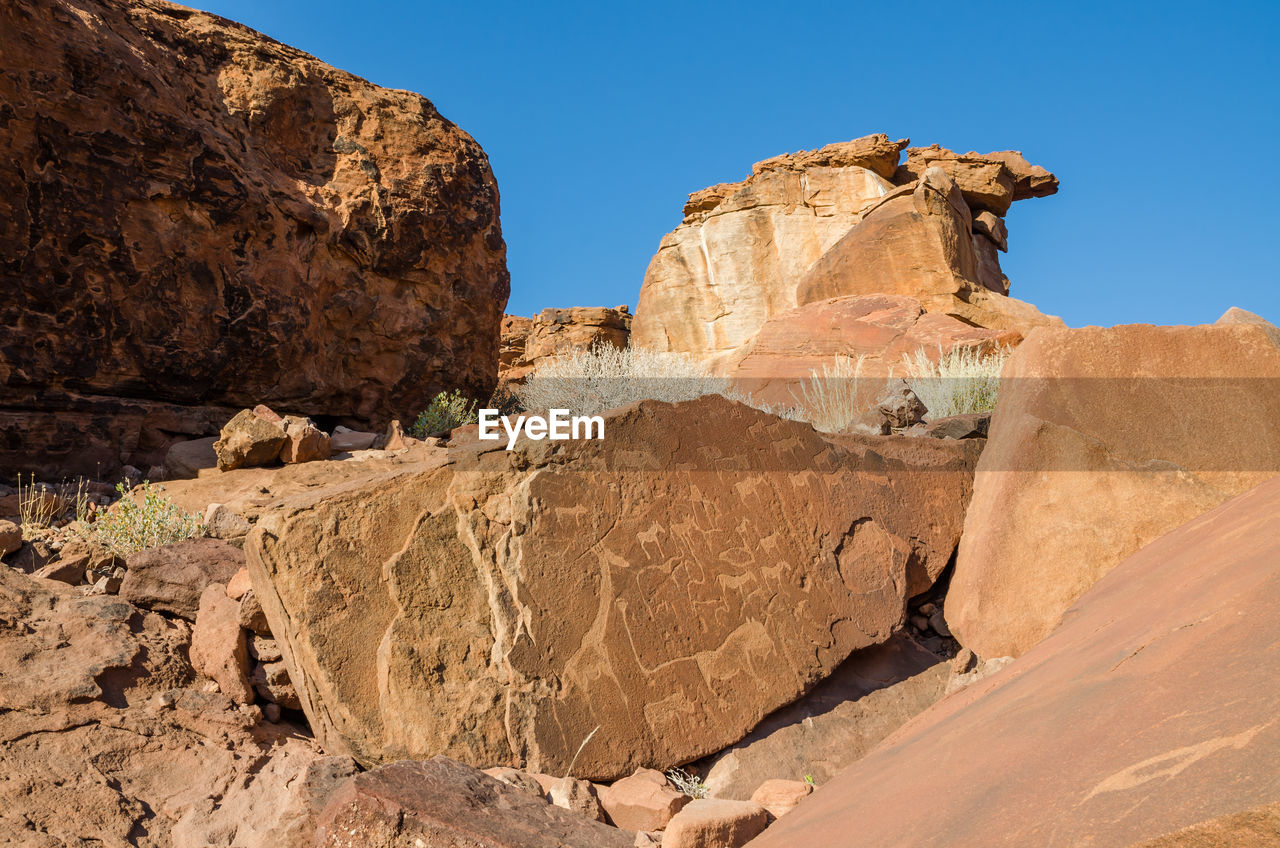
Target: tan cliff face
<point>845,220</point>
<point>194,218</point>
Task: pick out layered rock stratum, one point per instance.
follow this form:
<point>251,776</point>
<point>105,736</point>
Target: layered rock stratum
<point>195,218</point>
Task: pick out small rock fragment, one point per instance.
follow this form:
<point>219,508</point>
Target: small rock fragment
<point>781,796</point>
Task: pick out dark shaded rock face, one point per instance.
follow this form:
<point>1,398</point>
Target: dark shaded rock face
<point>196,218</point>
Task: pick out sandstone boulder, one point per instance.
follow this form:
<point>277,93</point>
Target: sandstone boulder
<point>441,802</point>
<point>1104,439</point>
<point>1150,709</point>
<point>877,329</point>
<point>918,242</point>
<point>186,459</point>
<point>671,584</point>
<point>10,538</point>
<point>305,442</point>
<point>172,578</point>
<point>715,823</point>
<point>218,649</point>
<point>742,247</point>
<point>221,522</point>
<point>249,439</point>
<point>641,801</point>
<point>339,241</point>
<point>780,797</point>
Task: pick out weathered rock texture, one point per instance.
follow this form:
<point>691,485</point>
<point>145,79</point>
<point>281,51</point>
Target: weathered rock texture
<point>1104,439</point>
<point>198,215</point>
<point>441,802</point>
<point>551,332</point>
<point>104,740</point>
<point>671,584</point>
<point>879,329</point>
<point>171,578</point>
<point>844,220</point>
<point>1150,709</point>
<point>918,242</point>
<point>871,694</point>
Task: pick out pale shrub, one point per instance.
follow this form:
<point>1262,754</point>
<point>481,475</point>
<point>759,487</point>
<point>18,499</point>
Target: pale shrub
<point>689,784</point>
<point>965,380</point>
<point>589,382</point>
<point>141,520</point>
<point>836,398</point>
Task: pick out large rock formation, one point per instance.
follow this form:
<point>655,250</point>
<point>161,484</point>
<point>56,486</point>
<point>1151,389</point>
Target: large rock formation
<point>1151,708</point>
<point>735,259</point>
<point>844,220</point>
<point>919,242</point>
<point>879,330</point>
<point>1103,440</point>
<point>671,585</point>
<point>196,218</point>
<point>527,341</point>
<point>106,738</point>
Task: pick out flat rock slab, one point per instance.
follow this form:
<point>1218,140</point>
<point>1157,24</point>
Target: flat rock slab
<point>1152,708</point>
<point>171,578</point>
<point>441,803</point>
<point>703,565</point>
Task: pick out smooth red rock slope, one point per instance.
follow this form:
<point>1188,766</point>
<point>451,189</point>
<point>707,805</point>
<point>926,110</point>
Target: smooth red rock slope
<point>1151,708</point>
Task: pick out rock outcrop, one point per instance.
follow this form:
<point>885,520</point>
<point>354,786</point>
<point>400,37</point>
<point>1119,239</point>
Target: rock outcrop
<point>108,739</point>
<point>526,341</point>
<point>1150,709</point>
<point>671,585</point>
<point>196,218</point>
<point>877,329</point>
<point>919,242</point>
<point>844,220</point>
<point>1104,439</point>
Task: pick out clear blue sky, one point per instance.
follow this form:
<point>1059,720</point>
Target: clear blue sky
<point>1161,120</point>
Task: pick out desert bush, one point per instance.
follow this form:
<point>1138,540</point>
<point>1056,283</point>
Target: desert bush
<point>836,398</point>
<point>141,520</point>
<point>446,411</point>
<point>589,382</point>
<point>964,380</point>
<point>687,783</point>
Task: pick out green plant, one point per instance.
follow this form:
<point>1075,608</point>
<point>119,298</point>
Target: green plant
<point>689,784</point>
<point>142,519</point>
<point>808,778</point>
<point>963,380</point>
<point>446,411</point>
